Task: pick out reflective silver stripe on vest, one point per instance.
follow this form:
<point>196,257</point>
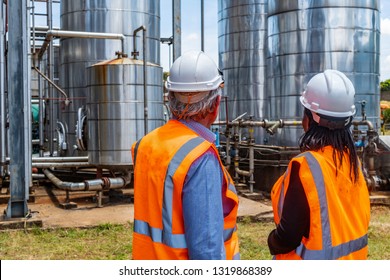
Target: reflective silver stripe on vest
<point>231,186</point>
<point>333,253</point>
<point>328,252</point>
<point>168,184</point>
<point>160,236</point>
<point>227,233</point>
<point>165,234</point>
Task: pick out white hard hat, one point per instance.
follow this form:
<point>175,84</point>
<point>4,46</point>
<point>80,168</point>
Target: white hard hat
<point>331,94</point>
<point>194,71</point>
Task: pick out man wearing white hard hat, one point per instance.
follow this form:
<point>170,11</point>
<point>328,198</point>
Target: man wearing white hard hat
<point>185,203</point>
<point>321,204</point>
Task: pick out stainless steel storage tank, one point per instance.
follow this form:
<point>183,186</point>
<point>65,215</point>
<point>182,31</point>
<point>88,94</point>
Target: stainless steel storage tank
<point>115,108</point>
<point>306,37</point>
<point>104,16</point>
<point>242,29</point>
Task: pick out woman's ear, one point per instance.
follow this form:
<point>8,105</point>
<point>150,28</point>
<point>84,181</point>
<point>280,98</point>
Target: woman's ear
<point>305,122</point>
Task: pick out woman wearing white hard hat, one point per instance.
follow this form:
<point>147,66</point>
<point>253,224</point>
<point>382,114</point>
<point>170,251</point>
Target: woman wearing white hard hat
<point>321,204</point>
<point>185,203</point>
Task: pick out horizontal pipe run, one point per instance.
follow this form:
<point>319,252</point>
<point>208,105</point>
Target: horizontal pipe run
<point>38,176</point>
<point>270,162</point>
<point>269,126</point>
<point>79,34</point>
<point>61,164</point>
<point>264,123</point>
<point>69,186</point>
<point>60,159</point>
<point>88,185</point>
<point>55,160</point>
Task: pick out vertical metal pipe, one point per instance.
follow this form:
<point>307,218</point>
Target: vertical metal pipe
<point>33,25</point>
<point>20,151</point>
<point>228,136</point>
<point>251,158</point>
<point>170,56</point>
<point>27,102</point>
<point>50,72</point>
<point>41,117</point>
<point>135,54</point>
<point>3,113</point>
<point>176,13</point>
<point>202,25</point>
<point>146,110</point>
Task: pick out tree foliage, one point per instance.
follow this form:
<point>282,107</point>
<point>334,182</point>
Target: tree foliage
<point>166,74</point>
<point>385,85</point>
<point>386,116</point>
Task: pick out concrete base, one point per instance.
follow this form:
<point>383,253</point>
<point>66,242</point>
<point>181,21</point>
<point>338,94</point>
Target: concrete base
<point>68,205</point>
<point>380,198</point>
<point>245,192</point>
<point>19,223</point>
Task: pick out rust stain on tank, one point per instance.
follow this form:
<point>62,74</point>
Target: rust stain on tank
<point>102,69</point>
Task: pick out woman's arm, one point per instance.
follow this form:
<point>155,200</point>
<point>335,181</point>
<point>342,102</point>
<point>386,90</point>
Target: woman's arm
<point>295,219</point>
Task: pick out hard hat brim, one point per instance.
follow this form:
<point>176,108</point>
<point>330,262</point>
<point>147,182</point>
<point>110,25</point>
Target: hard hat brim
<point>193,87</point>
<point>304,102</point>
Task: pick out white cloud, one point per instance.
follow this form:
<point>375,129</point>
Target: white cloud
<point>385,68</point>
<point>385,26</point>
<point>190,41</point>
<point>192,37</point>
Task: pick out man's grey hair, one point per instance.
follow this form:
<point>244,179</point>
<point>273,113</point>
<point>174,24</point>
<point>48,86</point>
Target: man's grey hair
<point>193,111</point>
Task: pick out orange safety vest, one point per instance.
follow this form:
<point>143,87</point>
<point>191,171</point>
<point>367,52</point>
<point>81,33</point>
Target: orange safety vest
<point>161,162</point>
<point>339,209</point>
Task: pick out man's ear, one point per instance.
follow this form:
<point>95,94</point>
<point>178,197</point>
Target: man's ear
<point>216,104</point>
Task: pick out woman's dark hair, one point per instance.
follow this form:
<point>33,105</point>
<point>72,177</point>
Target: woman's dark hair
<point>317,137</point>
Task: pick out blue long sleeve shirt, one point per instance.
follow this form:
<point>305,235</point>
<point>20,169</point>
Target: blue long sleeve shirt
<point>203,203</point>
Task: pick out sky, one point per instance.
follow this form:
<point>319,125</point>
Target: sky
<point>191,31</point>
<point>191,28</point>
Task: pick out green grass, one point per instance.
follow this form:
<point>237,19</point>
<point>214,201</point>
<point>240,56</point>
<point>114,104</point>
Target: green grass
<point>104,242</point>
<point>113,242</point>
<point>379,234</point>
<point>253,239</point>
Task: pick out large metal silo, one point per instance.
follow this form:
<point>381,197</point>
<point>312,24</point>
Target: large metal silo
<point>242,29</point>
<point>306,37</point>
<point>101,16</point>
<point>116,108</point>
